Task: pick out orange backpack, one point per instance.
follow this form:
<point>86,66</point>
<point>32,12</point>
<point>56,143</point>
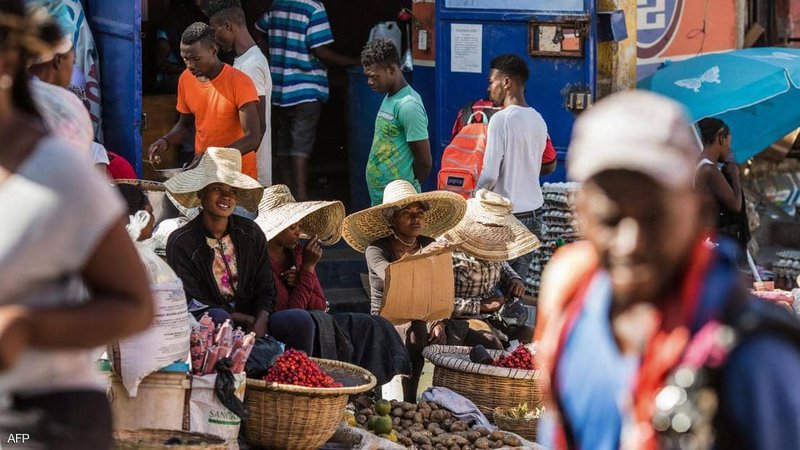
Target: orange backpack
<point>462,160</point>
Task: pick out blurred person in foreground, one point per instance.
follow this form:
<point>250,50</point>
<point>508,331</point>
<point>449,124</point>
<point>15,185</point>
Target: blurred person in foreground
<point>645,332</point>
<point>70,278</point>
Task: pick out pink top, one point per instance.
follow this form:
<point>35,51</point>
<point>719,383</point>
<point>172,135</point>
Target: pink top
<point>307,292</point>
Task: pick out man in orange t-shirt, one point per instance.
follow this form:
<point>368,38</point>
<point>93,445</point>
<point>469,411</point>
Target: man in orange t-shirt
<point>220,100</point>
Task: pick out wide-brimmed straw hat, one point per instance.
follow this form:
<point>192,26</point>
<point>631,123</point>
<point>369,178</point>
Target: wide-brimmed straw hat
<point>279,210</point>
<point>444,211</point>
<point>490,232</point>
<point>218,165</point>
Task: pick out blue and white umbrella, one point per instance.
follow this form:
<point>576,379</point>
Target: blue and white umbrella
<point>755,91</point>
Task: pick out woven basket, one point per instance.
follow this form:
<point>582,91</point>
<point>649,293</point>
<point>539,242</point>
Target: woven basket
<point>146,185</point>
<point>295,417</point>
<point>155,440</point>
<point>487,386</point>
<point>523,427</point>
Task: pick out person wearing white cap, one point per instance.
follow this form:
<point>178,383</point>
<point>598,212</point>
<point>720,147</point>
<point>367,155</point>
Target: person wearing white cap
<point>645,334</point>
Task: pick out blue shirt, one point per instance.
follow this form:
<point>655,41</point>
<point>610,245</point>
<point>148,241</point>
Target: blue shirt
<point>295,27</point>
<point>594,378</point>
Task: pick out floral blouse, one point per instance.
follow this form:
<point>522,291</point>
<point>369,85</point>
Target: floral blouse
<point>224,265</point>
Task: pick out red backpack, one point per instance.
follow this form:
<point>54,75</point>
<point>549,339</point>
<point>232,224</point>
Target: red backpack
<point>462,160</point>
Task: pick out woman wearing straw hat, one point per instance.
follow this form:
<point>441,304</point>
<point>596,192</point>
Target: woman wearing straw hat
<point>488,237</point>
<point>368,341</point>
<point>222,258</point>
<point>284,221</point>
<point>402,225</point>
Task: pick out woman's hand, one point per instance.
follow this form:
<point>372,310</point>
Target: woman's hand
<point>289,277</point>
<point>14,334</point>
<point>312,253</point>
<point>260,326</point>
<point>246,321</point>
<point>437,335</point>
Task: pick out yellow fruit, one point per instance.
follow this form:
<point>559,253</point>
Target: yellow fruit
<point>382,425</point>
<point>350,418</point>
<point>383,408</point>
<point>391,436</point>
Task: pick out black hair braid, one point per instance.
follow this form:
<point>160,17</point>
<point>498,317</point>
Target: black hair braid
<point>710,128</point>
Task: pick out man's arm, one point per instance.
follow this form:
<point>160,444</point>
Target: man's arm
<point>549,168</point>
<point>493,155</point>
<point>414,120</point>
<point>331,57</point>
<point>719,188</point>
<point>248,118</point>
<point>549,159</point>
<point>262,115</point>
<point>422,159</point>
<point>179,132</point>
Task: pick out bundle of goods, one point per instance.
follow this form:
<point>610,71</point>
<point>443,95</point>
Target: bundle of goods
<point>292,409</point>
<point>209,346</point>
<point>787,266</point>
<point>560,227</point>
<point>489,378</point>
<point>428,426</point>
<point>521,420</point>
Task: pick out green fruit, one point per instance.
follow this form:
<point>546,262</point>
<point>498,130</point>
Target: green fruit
<point>383,408</point>
<point>371,422</point>
<point>382,425</point>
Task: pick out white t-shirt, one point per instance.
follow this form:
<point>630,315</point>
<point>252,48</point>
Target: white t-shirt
<point>64,114</point>
<point>512,161</point>
<point>56,209</point>
<point>255,65</point>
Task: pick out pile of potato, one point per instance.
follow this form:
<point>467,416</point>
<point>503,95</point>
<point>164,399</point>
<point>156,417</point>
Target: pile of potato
<point>431,427</point>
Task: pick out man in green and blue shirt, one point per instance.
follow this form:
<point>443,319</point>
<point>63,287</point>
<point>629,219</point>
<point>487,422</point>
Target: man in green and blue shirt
<point>300,47</point>
<point>400,147</point>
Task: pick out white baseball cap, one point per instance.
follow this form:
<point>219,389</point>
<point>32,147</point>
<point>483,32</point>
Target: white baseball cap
<point>635,130</point>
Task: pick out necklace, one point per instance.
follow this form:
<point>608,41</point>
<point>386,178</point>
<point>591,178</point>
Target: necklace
<point>412,244</point>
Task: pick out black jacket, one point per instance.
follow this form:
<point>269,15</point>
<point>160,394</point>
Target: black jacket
<point>191,258</point>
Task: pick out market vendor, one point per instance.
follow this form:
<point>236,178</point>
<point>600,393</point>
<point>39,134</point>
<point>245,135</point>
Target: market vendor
<point>284,221</point>
<point>403,224</point>
<point>365,340</point>
<point>222,258</point>
<point>489,237</point>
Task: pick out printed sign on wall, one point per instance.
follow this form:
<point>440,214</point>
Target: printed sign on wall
<point>679,29</point>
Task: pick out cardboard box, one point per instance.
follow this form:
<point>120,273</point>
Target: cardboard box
<point>420,287</point>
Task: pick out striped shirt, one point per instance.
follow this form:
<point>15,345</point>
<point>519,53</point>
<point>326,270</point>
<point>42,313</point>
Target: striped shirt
<point>294,28</point>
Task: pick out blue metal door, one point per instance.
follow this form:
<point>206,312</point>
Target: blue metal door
<point>116,26</point>
<point>503,27</point>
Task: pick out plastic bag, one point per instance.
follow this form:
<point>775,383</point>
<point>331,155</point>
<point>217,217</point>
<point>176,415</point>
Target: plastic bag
<point>167,339</point>
<point>208,415</point>
<point>265,351</point>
